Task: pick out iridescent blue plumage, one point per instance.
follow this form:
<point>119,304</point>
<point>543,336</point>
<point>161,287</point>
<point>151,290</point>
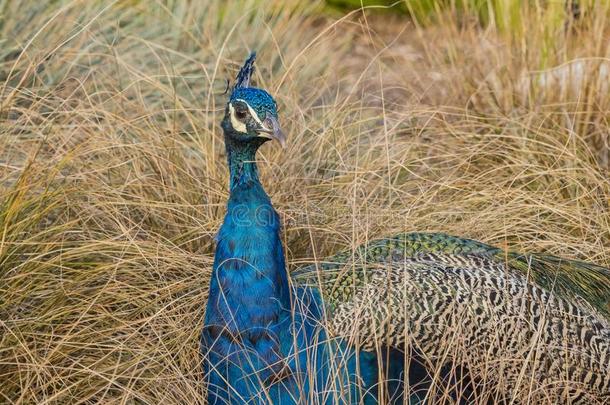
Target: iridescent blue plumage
<point>258,99</point>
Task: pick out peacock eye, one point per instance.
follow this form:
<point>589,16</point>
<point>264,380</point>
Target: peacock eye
<point>241,113</point>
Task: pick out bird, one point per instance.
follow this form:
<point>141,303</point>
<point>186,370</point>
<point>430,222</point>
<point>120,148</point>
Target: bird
<point>263,340</point>
<point>412,318</point>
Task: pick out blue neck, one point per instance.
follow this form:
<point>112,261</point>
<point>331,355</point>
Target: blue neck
<point>249,270</point>
<point>241,158</point>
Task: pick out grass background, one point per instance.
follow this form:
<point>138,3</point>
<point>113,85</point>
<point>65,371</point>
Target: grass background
<point>486,119</point>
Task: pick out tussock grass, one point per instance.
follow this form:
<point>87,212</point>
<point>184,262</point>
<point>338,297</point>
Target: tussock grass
<point>113,177</point>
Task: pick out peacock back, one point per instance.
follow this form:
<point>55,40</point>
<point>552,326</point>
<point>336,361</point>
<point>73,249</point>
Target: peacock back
<point>534,327</point>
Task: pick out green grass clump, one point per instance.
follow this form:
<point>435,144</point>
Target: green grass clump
<point>113,178</point>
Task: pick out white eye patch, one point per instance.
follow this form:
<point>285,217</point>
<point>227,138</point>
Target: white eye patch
<point>240,126</point>
<point>252,112</point>
<point>237,124</point>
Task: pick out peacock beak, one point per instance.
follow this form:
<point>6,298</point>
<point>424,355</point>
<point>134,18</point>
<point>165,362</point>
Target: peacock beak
<point>271,129</point>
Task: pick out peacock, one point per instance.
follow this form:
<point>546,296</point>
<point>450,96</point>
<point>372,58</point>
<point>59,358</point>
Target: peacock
<point>412,318</point>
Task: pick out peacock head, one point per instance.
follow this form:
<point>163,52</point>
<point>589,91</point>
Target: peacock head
<point>251,113</point>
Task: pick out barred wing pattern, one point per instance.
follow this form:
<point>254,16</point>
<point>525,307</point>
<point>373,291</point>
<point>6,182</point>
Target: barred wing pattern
<point>532,344</point>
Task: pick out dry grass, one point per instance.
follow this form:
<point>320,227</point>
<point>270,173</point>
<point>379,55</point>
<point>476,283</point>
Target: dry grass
<point>113,178</point>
